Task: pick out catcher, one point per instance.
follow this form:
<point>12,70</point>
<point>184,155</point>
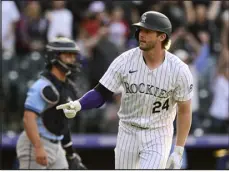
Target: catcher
<point>46,142</point>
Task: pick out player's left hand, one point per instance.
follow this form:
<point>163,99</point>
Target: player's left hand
<point>175,159</point>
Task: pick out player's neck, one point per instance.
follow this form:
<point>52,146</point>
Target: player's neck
<point>58,74</point>
<point>154,57</point>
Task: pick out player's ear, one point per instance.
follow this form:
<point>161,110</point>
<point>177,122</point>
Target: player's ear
<point>162,37</point>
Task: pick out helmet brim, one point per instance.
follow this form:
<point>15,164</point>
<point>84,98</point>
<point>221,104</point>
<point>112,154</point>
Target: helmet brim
<point>146,26</point>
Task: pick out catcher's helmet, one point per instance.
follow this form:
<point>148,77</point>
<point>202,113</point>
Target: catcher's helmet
<point>61,45</point>
<point>154,21</point>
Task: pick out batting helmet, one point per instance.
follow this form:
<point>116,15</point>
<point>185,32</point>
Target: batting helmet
<point>61,45</point>
<point>155,21</point>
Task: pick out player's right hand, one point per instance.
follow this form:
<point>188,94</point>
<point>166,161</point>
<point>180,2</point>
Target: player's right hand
<point>70,109</point>
<point>41,156</point>
<point>175,159</point>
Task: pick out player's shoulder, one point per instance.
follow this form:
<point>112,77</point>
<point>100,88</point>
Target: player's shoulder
<point>128,55</point>
<point>173,60</point>
<point>131,52</point>
<point>46,89</point>
<point>39,84</point>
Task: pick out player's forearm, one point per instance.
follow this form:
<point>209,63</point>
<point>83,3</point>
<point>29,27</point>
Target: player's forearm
<point>184,121</point>
<point>91,99</point>
<point>31,129</point>
<point>95,97</point>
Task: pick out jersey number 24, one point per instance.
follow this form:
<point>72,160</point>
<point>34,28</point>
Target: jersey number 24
<point>158,107</point>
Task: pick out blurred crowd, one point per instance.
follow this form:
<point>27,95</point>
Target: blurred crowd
<point>103,30</point>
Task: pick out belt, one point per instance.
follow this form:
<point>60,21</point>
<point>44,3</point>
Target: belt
<point>144,128</point>
<point>51,140</point>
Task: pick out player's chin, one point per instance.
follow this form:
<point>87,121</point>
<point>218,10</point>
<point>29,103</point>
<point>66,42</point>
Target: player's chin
<point>143,47</point>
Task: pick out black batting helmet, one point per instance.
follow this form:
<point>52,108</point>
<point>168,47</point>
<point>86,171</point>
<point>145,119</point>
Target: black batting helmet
<point>155,21</point>
<point>61,45</point>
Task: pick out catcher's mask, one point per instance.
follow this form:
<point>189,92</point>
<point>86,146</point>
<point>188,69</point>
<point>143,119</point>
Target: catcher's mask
<point>55,48</point>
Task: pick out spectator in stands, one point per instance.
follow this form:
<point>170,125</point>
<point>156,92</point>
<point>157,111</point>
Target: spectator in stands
<point>199,48</point>
<point>219,109</point>
<point>118,30</point>
<point>201,16</point>
<point>225,30</point>
<point>175,12</point>
<point>31,29</point>
<point>95,17</point>
<point>10,16</point>
<point>87,42</point>
<point>60,21</point>
<point>90,28</point>
<point>202,49</point>
<point>103,54</point>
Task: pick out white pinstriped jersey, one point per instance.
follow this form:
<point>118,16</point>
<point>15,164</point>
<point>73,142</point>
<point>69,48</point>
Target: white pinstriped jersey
<point>149,97</point>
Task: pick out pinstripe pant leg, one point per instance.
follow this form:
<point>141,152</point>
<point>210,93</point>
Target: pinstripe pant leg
<point>155,154</point>
<point>126,151</point>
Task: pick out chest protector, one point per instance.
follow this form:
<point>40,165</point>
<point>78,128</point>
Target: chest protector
<point>55,94</point>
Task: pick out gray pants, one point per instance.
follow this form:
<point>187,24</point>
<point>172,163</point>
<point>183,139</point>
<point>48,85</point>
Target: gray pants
<point>26,154</point>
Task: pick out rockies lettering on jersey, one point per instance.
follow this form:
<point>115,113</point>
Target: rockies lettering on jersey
<point>147,89</point>
<point>150,96</point>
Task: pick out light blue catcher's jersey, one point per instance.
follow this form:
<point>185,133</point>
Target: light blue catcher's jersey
<point>35,103</point>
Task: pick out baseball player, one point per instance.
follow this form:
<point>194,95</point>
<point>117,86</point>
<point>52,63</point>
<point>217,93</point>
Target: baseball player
<point>157,86</point>
<point>46,141</point>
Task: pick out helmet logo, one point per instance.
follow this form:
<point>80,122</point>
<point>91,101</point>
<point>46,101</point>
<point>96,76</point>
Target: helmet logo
<point>143,18</point>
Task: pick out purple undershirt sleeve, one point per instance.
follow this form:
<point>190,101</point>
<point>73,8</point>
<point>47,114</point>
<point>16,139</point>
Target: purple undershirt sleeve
<point>92,99</point>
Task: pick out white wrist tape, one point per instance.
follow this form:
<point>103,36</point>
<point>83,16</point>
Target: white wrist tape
<point>179,150</point>
<point>75,105</point>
